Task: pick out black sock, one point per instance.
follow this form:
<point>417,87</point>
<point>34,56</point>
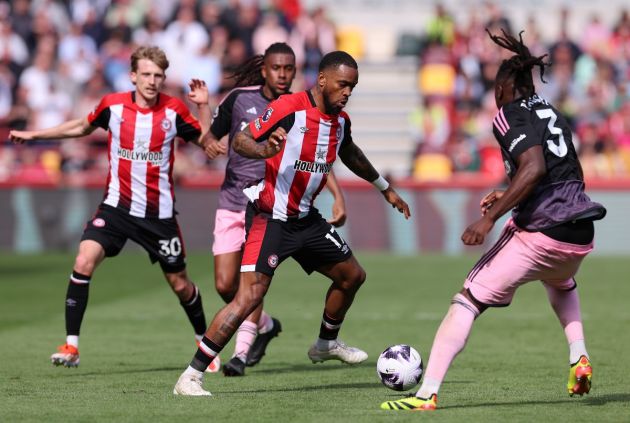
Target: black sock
<point>76,302</point>
<point>329,328</point>
<point>194,311</point>
<point>205,354</point>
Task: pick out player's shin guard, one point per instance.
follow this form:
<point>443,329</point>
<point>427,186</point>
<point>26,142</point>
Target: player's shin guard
<point>76,302</point>
<point>206,352</point>
<point>194,310</point>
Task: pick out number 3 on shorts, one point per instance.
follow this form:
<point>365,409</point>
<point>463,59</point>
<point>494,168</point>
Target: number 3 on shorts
<point>170,247</point>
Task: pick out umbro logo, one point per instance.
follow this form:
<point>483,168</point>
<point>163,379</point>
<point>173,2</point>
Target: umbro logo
<point>252,111</point>
<point>303,129</point>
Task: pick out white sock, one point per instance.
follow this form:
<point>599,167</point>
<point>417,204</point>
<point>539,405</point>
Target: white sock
<point>576,350</point>
<point>199,337</point>
<point>428,388</point>
<point>73,340</point>
<point>193,372</point>
<point>325,344</point>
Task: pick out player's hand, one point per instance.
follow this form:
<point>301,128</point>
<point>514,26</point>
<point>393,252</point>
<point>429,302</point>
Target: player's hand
<point>198,91</point>
<point>394,199</point>
<point>488,201</point>
<point>338,213</point>
<point>19,137</point>
<point>213,148</point>
<point>476,233</point>
<point>275,142</point>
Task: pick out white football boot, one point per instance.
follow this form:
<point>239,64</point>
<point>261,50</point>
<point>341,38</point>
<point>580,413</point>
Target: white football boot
<point>190,385</point>
<point>338,351</point>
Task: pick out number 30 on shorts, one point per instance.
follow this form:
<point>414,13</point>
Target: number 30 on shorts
<point>170,247</point>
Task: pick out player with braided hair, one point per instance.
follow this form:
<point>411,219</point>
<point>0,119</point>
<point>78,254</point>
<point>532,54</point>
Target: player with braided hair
<point>549,233</point>
<point>258,81</point>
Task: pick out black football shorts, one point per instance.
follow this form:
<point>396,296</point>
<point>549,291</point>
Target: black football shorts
<point>161,238</point>
<point>311,241</point>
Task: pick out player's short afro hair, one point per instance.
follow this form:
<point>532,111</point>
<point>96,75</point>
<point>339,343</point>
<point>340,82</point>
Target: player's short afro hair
<point>334,59</point>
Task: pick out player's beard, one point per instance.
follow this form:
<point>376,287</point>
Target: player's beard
<point>331,109</point>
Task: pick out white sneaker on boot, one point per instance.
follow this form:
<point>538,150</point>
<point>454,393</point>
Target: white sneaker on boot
<point>338,351</point>
<point>190,385</point>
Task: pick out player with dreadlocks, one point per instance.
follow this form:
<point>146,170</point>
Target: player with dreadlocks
<point>549,233</point>
<point>258,81</point>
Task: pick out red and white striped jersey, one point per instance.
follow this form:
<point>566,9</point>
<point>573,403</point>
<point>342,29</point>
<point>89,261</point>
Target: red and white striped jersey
<point>141,151</point>
<point>295,176</point>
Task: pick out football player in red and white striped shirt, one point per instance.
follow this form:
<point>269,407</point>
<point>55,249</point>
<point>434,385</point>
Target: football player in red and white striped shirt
<point>139,201</point>
<point>299,136</point>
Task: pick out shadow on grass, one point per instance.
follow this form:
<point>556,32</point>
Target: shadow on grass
<point>308,367</point>
<point>105,372</point>
<point>588,401</point>
<point>318,387</point>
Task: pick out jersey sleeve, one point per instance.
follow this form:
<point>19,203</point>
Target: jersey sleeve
<point>187,125</point>
<point>514,131</point>
<point>99,117</point>
<point>279,113</point>
<point>222,118</point>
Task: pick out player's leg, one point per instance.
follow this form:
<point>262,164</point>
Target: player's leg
<point>347,277</point>
<point>491,282</point>
<point>101,238</point>
<point>253,287</point>
<point>262,254</point>
<point>226,277</point>
<point>325,251</point>
<point>227,248</point>
<point>90,255</point>
<point>190,299</point>
<point>566,305</point>
<point>450,339</point>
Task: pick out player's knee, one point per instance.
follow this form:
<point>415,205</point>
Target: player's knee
<point>180,284</point>
<point>465,300</point>
<point>84,265</point>
<point>226,287</point>
<point>357,277</point>
<point>352,279</point>
<point>251,294</point>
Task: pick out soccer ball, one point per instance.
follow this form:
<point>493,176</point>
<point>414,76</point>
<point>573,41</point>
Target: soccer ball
<point>399,367</point>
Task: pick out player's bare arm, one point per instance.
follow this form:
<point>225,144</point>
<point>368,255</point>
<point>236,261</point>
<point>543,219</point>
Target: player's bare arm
<point>531,168</point>
<point>212,146</point>
<point>339,204</point>
<point>70,129</point>
<point>489,199</point>
<point>199,95</point>
<point>245,144</point>
<point>352,156</point>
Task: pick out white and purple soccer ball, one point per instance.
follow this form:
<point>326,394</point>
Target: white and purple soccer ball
<point>399,367</point>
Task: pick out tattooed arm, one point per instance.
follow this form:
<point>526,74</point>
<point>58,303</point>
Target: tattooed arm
<point>245,144</point>
<point>352,156</point>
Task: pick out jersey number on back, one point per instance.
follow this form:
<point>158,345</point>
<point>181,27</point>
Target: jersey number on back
<point>560,149</point>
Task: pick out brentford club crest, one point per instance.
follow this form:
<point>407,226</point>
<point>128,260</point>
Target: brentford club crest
<point>272,261</point>
<point>166,125</point>
<point>98,222</point>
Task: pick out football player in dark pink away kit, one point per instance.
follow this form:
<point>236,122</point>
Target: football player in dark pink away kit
<point>549,234</point>
<point>299,136</point>
<point>139,202</point>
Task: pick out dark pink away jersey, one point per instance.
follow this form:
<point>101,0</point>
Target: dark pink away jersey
<point>141,151</point>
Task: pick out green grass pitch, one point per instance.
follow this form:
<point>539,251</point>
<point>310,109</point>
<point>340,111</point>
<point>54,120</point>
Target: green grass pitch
<point>136,340</point>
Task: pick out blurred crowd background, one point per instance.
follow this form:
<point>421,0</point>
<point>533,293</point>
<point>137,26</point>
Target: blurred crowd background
<point>58,58</point>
